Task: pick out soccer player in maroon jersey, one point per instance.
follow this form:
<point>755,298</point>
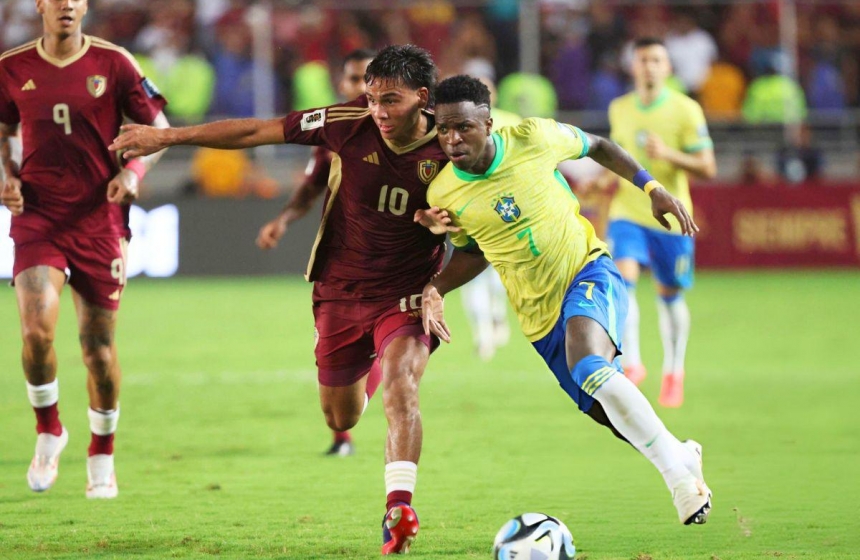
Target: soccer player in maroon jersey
<point>69,201</point>
<point>316,182</point>
<point>370,260</point>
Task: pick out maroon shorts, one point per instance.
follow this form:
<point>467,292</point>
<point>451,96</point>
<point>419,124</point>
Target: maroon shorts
<point>96,265</point>
<point>350,334</point>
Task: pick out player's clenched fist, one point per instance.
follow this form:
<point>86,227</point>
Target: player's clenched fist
<point>11,196</point>
<point>123,189</point>
<point>271,233</point>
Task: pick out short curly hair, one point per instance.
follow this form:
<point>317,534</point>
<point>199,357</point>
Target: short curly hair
<point>462,88</point>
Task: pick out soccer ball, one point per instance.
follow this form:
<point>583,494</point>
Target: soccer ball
<point>534,536</point>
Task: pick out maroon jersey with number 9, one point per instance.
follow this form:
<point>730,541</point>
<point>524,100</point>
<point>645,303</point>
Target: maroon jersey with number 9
<point>368,246</point>
<point>70,110</point>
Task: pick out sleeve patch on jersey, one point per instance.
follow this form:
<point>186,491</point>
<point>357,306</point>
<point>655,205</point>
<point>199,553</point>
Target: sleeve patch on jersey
<point>150,88</point>
<point>702,131</point>
<point>314,119</point>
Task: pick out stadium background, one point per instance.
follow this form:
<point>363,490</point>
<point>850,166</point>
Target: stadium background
<point>218,449</point>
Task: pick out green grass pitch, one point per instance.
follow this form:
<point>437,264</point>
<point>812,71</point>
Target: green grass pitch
<point>220,441</point>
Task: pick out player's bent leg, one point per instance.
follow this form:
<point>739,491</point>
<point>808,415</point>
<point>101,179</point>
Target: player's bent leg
<point>96,327</point>
<point>403,363</point>
<point>37,290</point>
<point>674,320</point>
<point>631,416</point>
<point>343,406</point>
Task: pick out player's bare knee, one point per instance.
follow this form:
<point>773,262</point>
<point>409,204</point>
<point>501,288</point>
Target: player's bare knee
<point>38,340</point>
<point>98,357</point>
<point>341,422</point>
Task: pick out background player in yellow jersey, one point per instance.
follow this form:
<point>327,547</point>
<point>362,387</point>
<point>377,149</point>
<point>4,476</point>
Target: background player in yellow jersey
<point>665,130</point>
<point>511,207</point>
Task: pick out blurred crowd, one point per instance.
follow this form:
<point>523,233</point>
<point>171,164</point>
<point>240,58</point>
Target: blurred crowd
<point>728,56</point>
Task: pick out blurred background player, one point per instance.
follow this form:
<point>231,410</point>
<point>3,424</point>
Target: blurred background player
<point>370,260</point>
<point>567,293</point>
<point>484,297</point>
<point>316,182</point>
<point>666,131</point>
<point>69,201</point>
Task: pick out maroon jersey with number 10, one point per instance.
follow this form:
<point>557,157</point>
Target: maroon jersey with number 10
<point>368,246</point>
<point>70,110</point>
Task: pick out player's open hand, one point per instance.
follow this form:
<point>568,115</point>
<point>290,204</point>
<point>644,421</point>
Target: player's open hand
<point>663,203</point>
<point>271,233</point>
<point>124,188</point>
<point>137,140</point>
<point>11,196</point>
<point>433,313</point>
<point>436,220</point>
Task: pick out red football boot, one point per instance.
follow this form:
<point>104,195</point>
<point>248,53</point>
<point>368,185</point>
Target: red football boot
<point>399,528</point>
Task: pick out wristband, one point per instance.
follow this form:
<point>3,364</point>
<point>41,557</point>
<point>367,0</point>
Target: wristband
<point>137,167</point>
<point>650,186</point>
<point>642,178</point>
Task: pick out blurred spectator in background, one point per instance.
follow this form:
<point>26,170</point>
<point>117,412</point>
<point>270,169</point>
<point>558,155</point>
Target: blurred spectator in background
<point>19,23</point>
<point>799,161</point>
<point>753,172</point>
<point>234,66</point>
<point>470,50</point>
<point>229,174</point>
<point>529,95</point>
<point>831,62</point>
<point>722,93</point>
<point>503,23</point>
<point>691,49</point>
<point>164,53</point>
<point>312,86</point>
<point>774,98</point>
<point>570,66</point>
<point>606,83</point>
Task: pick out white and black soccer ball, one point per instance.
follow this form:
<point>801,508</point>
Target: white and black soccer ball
<point>534,536</point>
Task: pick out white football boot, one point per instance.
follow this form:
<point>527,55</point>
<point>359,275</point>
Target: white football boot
<point>46,462</point>
<point>691,496</point>
<point>101,477</point>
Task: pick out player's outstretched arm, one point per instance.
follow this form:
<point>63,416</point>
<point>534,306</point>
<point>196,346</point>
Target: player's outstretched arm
<point>125,187</point>
<point>10,196</point>
<point>613,157</point>
<point>463,266</point>
<point>231,134</point>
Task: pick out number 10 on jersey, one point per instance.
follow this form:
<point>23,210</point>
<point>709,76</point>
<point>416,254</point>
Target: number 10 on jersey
<point>395,200</point>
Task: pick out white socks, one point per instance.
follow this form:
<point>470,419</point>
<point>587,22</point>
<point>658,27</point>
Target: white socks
<point>400,475</point>
<point>632,415</point>
<point>44,395</point>
<point>632,355</point>
<point>674,331</point>
<point>103,422</point>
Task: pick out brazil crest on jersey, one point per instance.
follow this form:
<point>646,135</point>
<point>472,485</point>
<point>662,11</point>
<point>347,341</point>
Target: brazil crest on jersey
<point>680,123</point>
<point>524,217</point>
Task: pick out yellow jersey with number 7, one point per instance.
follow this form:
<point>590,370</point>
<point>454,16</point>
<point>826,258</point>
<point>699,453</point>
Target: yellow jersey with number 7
<point>522,214</point>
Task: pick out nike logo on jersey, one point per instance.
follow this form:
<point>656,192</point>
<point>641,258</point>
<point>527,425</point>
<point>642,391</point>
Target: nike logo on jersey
<point>585,304</point>
<point>29,86</point>
<point>372,158</point>
<point>463,209</point>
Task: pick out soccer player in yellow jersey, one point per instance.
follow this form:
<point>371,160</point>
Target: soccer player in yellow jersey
<point>484,297</point>
<point>665,130</point>
<point>509,205</point>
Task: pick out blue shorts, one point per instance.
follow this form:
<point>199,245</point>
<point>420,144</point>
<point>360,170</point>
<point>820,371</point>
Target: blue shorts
<point>669,255</point>
<point>598,292</point>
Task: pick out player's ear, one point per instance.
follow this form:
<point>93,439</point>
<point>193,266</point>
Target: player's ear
<point>40,7</point>
<point>489,126</point>
<point>424,96</point>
